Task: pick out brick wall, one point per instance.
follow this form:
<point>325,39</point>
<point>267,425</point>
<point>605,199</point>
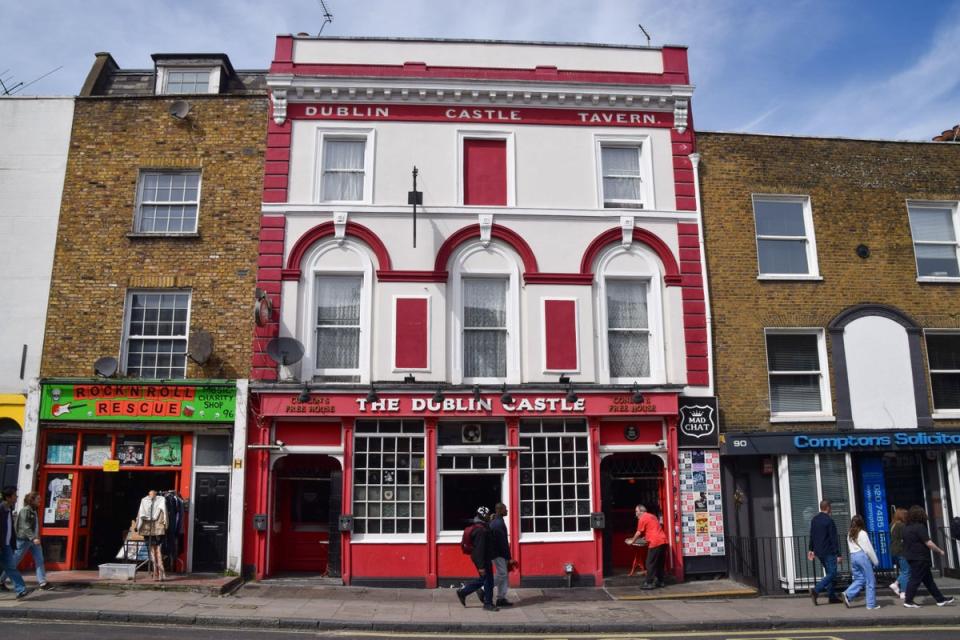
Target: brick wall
<point>857,191</point>
<point>96,261</point>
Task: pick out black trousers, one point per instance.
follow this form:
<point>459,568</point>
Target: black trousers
<point>922,571</point>
<point>656,557</point>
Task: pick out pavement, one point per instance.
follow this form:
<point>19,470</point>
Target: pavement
<point>300,605</point>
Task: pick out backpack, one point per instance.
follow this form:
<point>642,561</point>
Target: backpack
<point>955,528</point>
<point>466,542</point>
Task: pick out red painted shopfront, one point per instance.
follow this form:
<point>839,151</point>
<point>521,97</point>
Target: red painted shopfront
<point>408,468</point>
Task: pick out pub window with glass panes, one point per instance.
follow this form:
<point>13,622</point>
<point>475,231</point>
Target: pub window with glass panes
<point>388,477</point>
<point>155,340</point>
<point>554,476</point>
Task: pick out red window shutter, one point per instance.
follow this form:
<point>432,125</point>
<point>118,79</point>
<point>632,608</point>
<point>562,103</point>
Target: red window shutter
<point>412,336</point>
<point>484,172</point>
<point>560,331</point>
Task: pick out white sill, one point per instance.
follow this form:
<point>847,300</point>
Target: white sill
<point>788,276</point>
<point>164,234</point>
<point>819,417</point>
<point>942,279</point>
<point>578,536</point>
<point>388,538</point>
<point>947,414</point>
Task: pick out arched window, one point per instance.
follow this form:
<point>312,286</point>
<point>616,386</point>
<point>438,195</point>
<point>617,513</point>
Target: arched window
<point>629,294</point>
<point>484,314</point>
<point>334,322</point>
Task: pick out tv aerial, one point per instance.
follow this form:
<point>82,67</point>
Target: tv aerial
<point>285,351</point>
<point>9,88</point>
<point>106,367</point>
<point>645,33</point>
<point>327,16</point>
<point>200,346</point>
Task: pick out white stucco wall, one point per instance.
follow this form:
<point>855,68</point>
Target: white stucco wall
<point>879,373</point>
<point>472,54</point>
<point>34,139</point>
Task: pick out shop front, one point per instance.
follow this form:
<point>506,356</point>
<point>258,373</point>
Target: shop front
<point>101,447</point>
<point>376,487</point>
<point>871,473</point>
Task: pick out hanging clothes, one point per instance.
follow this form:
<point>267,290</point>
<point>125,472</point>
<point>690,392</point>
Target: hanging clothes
<point>152,519</point>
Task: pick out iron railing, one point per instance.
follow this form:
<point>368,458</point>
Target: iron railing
<point>778,565</point>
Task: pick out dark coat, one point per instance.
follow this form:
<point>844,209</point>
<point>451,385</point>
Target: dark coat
<point>501,540</point>
<point>482,537</point>
<point>7,522</point>
<point>823,536</point>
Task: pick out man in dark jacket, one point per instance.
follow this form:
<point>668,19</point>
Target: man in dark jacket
<point>482,556</point>
<point>8,539</point>
<point>824,546</point>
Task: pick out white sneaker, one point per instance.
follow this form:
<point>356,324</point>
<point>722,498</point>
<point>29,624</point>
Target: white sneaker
<point>903,595</point>
<point>911,605</point>
<point>945,602</point>
<point>876,606</point>
<point>895,587</point>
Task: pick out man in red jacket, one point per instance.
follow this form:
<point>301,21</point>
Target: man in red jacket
<point>648,528</point>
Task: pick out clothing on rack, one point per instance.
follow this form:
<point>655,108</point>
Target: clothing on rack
<point>175,511</point>
<point>152,519</point>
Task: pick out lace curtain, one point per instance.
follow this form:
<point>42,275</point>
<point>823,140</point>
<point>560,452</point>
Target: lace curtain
<point>628,334</point>
<point>338,322</point>
<point>621,174</point>
<point>484,328</point>
<point>343,169</point>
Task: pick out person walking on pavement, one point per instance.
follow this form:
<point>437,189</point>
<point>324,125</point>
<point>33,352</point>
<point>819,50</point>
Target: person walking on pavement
<point>502,562</point>
<point>862,561</point>
<point>824,546</point>
<point>917,546</point>
<point>899,585</point>
<point>481,553</point>
<point>7,540</point>
<point>28,538</point>
<point>648,528</point>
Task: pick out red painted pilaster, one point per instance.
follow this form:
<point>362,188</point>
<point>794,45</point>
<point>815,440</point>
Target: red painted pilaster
<point>593,425</point>
<point>347,504</point>
<point>673,498</point>
<point>430,480</point>
<point>513,523</point>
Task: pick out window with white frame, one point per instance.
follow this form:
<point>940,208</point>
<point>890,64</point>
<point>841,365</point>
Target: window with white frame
<point>337,338</point>
<point>183,81</point>
<point>624,175</point>
<point>943,353</point>
<point>345,166</point>
<point>936,229</point>
<point>628,328</point>
<point>155,336</point>
<point>167,202</point>
<point>785,240</point>
<point>484,327</point>
<point>796,364</point>
<point>554,476</point>
<point>389,492</point>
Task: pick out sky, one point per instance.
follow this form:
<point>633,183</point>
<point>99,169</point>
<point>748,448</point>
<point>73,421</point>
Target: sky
<point>860,69</point>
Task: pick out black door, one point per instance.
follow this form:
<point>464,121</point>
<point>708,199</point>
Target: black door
<point>9,452</point>
<point>211,499</point>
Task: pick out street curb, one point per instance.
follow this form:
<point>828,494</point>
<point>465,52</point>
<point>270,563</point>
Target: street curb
<point>313,624</point>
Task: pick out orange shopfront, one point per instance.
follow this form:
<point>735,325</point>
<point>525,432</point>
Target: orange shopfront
<point>102,447</point>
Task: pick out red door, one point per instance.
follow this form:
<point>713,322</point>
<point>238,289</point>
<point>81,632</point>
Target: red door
<point>304,527</point>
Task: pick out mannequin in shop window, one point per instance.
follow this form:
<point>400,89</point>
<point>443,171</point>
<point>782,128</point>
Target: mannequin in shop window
<point>152,522</point>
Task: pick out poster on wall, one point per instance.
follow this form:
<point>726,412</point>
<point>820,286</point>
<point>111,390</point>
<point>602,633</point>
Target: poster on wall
<point>165,451</point>
<point>700,503</point>
<point>56,512</point>
<point>130,451</point>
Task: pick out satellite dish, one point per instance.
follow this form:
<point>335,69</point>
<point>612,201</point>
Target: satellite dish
<point>200,346</point>
<point>106,367</point>
<point>179,109</point>
<point>285,351</point>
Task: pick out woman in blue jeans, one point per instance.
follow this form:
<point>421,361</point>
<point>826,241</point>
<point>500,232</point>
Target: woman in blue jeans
<point>28,537</point>
<point>899,586</point>
<point>862,561</point>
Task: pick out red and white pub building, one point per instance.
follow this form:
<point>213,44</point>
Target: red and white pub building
<point>529,336</point>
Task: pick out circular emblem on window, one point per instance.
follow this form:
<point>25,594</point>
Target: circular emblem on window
<point>630,432</point>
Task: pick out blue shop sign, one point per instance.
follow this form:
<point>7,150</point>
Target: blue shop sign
<point>827,441</point>
<point>899,439</point>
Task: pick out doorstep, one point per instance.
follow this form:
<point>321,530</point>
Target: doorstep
<point>620,589</point>
<point>206,583</point>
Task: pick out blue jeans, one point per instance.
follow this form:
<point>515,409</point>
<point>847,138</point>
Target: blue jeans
<point>484,582</point>
<point>22,547</point>
<point>826,582</point>
<point>862,570</point>
<point>10,568</point>
<point>904,576</point>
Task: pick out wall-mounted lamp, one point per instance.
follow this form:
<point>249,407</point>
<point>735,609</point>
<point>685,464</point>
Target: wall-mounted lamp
<point>564,378</point>
<point>438,396</point>
<point>571,394</point>
<point>409,378</point>
<point>372,395</point>
<point>304,393</point>
<point>568,570</point>
<point>505,397</point>
<point>476,392</point>
<point>637,395</point>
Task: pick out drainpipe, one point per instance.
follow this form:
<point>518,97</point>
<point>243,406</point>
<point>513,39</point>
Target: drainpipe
<point>695,161</point>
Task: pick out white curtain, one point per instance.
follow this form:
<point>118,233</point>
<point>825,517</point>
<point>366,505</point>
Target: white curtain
<point>338,322</point>
<point>343,169</point>
<point>484,328</point>
<point>621,173</point>
<point>628,323</point>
